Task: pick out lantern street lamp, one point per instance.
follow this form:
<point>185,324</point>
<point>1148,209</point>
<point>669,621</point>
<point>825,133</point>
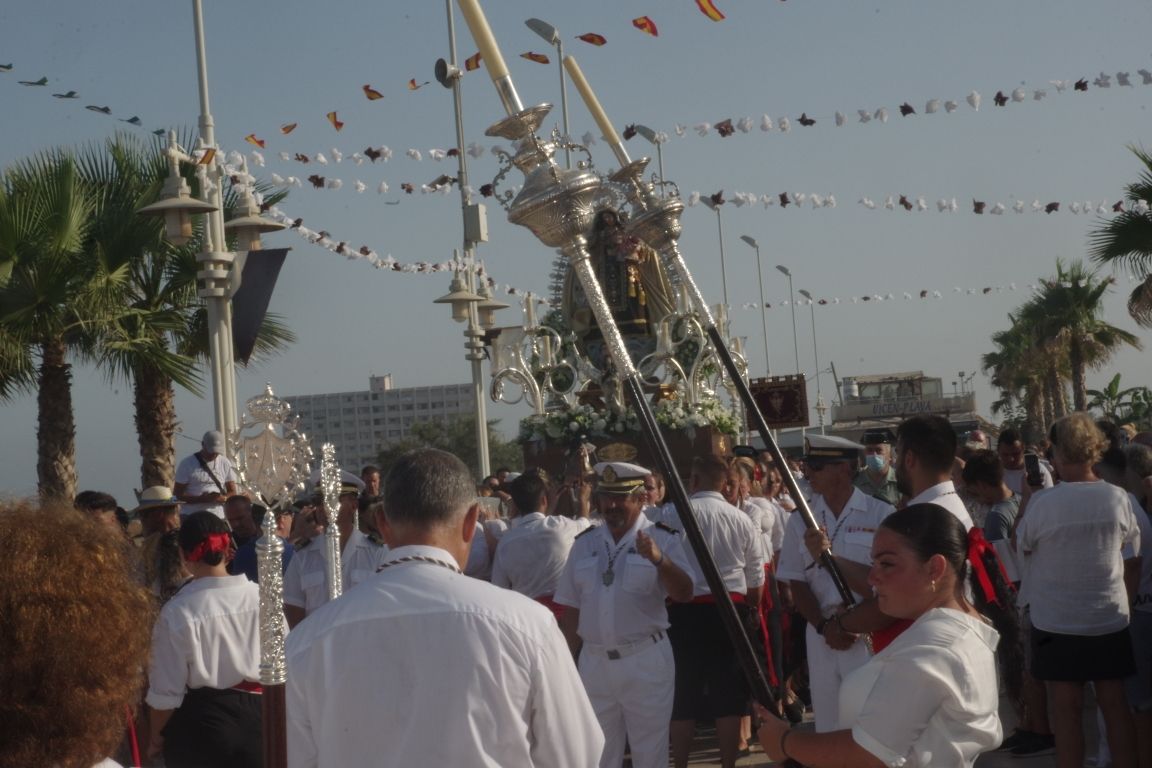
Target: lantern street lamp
<point>821,407</point>
<point>763,311</point>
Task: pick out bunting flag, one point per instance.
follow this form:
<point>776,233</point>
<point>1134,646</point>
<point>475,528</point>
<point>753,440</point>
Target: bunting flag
<point>539,58</point>
<point>592,38</point>
<point>372,93</point>
<point>646,25</point>
<point>709,9</point>
<point>251,139</point>
<point>287,128</point>
<point>472,62</point>
<point>208,156</point>
<point>415,86</point>
<point>335,121</point>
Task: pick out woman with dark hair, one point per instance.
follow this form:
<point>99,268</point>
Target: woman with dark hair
<point>931,696</point>
<point>206,659</point>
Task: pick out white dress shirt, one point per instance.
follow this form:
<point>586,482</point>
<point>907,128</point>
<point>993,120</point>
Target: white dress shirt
<point>629,605</point>
<point>767,520</point>
<point>736,544</point>
<point>944,495</point>
<point>532,553</point>
<point>851,536</point>
<point>931,697</point>
<point>360,559</point>
<point>375,678</point>
<point>305,580</point>
<point>207,636</point>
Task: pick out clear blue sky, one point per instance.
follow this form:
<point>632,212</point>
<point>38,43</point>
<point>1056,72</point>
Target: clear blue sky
<point>294,61</point>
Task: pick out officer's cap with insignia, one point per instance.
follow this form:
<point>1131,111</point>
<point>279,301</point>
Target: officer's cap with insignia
<point>619,477</point>
<point>879,436</point>
<point>829,449</point>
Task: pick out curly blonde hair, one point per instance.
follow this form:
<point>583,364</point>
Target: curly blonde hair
<point>75,636</point>
<point>1077,440</point>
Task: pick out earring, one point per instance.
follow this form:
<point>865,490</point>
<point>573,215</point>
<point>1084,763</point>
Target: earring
<point>933,585</point>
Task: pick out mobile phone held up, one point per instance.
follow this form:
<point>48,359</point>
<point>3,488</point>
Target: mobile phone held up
<point>1032,470</point>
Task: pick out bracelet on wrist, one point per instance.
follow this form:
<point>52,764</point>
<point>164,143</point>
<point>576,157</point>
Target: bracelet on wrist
<point>839,624</point>
<point>659,562</point>
<point>821,625</point>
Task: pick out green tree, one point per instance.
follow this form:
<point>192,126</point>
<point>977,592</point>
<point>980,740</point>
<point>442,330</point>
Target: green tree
<point>1122,406</point>
<point>1125,241</point>
<point>50,306</point>
<point>1021,373</point>
<point>458,437</point>
<point>1066,316</point>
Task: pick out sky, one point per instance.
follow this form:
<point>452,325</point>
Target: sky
<point>271,64</point>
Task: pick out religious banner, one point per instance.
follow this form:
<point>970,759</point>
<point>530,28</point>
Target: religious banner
<point>783,400</point>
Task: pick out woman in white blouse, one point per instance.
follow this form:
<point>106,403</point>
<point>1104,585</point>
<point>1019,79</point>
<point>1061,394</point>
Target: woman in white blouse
<point>206,659</point>
<point>930,698</point>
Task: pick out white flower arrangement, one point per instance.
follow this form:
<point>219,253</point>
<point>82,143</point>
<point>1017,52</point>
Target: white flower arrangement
<point>584,421</point>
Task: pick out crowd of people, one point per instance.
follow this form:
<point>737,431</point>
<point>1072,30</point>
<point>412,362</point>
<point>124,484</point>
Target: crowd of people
<point>532,620</point>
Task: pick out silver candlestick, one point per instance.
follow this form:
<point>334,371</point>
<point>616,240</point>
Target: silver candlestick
<point>330,488</point>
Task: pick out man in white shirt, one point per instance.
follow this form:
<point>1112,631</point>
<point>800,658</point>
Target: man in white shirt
<point>614,585</point>
<point>206,479</point>
<point>532,552</point>
<point>376,676</point>
<point>848,519</point>
<point>1010,448</point>
<point>710,684</point>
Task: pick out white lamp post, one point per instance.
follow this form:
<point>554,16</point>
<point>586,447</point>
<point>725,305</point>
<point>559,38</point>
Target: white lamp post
<point>821,408</point>
<point>215,284</point>
<point>791,300</point>
<point>763,312</point>
<point>552,35</point>
<point>468,306</point>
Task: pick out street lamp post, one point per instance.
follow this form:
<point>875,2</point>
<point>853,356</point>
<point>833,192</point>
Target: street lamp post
<point>215,277</point>
<point>654,139</point>
<point>763,312</point>
<point>468,306</point>
<point>791,300</point>
<point>723,272</point>
<point>552,35</point>
<point>821,408</point>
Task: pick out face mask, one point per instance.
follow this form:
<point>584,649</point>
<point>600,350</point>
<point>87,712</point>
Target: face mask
<point>875,462</point>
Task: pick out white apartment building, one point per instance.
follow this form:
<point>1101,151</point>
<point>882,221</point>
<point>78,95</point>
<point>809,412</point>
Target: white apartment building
<point>361,424</point>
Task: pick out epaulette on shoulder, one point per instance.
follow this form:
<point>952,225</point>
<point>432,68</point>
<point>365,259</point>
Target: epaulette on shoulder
<point>303,543</point>
<point>586,531</point>
<point>668,528</point>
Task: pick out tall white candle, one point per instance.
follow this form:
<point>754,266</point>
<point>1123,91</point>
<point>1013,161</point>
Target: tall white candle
<point>590,101</point>
<point>485,41</point>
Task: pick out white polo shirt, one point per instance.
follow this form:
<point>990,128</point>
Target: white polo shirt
<point>736,544</point>
<point>532,553</point>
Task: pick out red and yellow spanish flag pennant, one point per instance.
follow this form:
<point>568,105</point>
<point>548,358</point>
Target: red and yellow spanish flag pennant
<point>287,128</point>
<point>592,38</point>
<point>372,93</point>
<point>472,62</point>
<point>210,153</point>
<point>336,123</point>
<point>539,58</point>
<point>645,24</point>
<point>251,139</point>
<point>709,9</point>
<point>415,86</point>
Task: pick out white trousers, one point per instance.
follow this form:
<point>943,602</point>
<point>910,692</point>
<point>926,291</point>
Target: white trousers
<point>826,668</point>
<point>632,698</point>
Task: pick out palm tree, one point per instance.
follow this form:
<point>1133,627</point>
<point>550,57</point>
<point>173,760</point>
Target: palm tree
<point>1020,372</point>
<point>1126,241</point>
<point>48,312</point>
<point>1066,315</point>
